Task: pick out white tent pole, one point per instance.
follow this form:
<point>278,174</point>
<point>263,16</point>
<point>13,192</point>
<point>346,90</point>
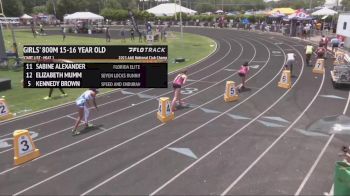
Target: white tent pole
<point>324,20</point>
<point>175,10</point>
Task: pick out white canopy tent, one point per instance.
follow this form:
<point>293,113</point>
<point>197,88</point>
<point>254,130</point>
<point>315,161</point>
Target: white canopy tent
<point>83,16</point>
<point>219,12</point>
<point>169,9</point>
<point>324,12</point>
<point>26,17</point>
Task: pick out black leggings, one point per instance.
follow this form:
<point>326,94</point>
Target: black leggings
<point>308,58</point>
<point>51,90</point>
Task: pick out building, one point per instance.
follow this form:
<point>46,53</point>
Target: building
<point>343,28</point>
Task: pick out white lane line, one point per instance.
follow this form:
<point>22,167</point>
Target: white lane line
<point>137,136</point>
<point>71,117</point>
<point>230,70</point>
<point>258,61</point>
<point>96,134</point>
<point>217,47</point>
<point>332,96</point>
<point>313,167</point>
<point>122,109</point>
<point>331,192</point>
<point>49,109</point>
<point>189,80</point>
<point>274,143</point>
<point>188,133</point>
<point>9,134</point>
<point>347,104</point>
<point>228,138</point>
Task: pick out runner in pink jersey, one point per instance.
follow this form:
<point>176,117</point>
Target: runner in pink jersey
<point>243,72</point>
<point>179,80</point>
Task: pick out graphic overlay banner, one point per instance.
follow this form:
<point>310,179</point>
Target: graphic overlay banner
<point>95,66</point>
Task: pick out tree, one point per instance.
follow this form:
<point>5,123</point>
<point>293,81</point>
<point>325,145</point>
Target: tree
<point>114,14</point>
<point>201,8</point>
<point>109,13</point>
<point>229,5</point>
<point>39,9</point>
<point>112,4</point>
<point>297,4</point>
<point>65,7</point>
<point>317,3</point>
<point>50,7</point>
<point>13,8</point>
<point>28,6</point>
<point>346,5</point>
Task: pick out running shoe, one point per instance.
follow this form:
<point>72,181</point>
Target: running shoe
<point>64,95</point>
<point>89,125</point>
<point>47,98</point>
<point>75,132</point>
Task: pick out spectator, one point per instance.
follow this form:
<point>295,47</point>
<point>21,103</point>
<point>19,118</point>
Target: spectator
<point>33,29</point>
<point>42,31</point>
<point>140,36</point>
<point>149,27</point>
<point>346,154</point>
<point>108,35</point>
<point>122,34</point>
<point>63,33</point>
<point>307,30</point>
<point>132,32</point>
<point>144,36</point>
<point>325,41</point>
<point>50,93</point>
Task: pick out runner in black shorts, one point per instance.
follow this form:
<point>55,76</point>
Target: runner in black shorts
<point>179,80</point>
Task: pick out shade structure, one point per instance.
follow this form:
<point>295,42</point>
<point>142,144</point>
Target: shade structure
<point>83,16</point>
<point>324,12</point>
<point>283,10</point>
<point>26,16</point>
<point>298,15</point>
<point>277,14</point>
<point>169,9</point>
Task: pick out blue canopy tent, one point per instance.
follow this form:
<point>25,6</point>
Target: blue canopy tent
<point>294,19</point>
<point>245,21</point>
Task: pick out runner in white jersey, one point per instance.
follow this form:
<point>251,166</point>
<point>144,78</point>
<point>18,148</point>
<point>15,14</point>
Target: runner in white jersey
<point>290,62</point>
<point>83,102</point>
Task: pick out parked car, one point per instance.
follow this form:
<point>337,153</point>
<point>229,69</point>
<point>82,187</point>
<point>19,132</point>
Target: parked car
<point>340,75</point>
